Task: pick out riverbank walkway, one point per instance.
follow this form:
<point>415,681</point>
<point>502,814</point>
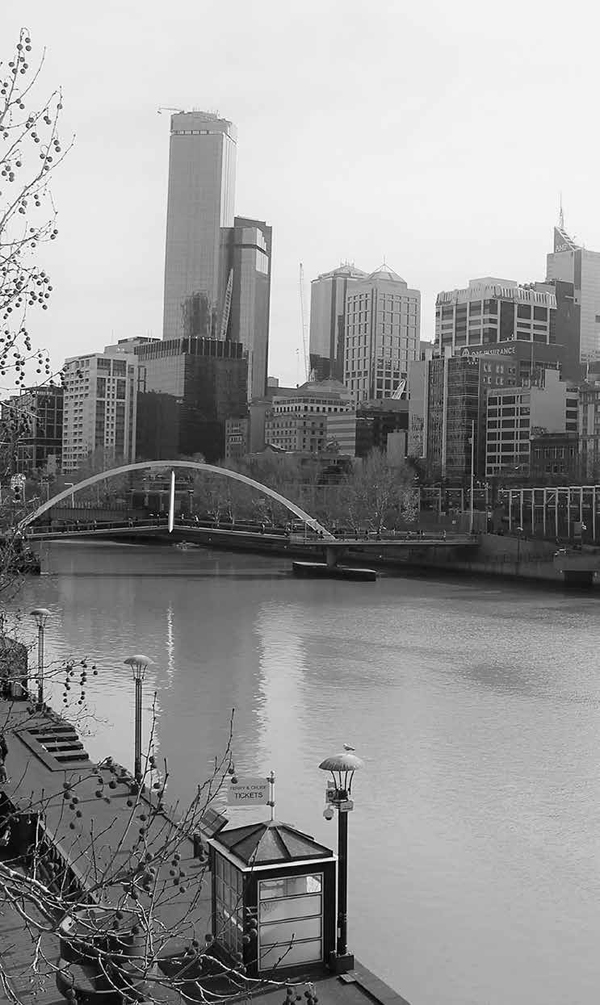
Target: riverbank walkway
<point>84,829</point>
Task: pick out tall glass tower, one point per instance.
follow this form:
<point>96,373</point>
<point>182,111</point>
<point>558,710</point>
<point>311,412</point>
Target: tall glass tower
<point>200,211</point>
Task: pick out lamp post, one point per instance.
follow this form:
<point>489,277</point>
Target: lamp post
<point>342,767</point>
<point>138,664</point>
<point>41,615</point>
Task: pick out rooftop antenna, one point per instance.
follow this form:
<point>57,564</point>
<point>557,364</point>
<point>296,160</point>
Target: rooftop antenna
<point>561,215</point>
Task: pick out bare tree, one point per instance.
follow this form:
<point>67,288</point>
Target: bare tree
<point>30,150</point>
<point>378,494</point>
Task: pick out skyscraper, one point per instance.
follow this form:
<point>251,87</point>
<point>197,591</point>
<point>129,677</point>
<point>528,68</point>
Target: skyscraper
<point>382,329</point>
<point>250,258</point>
<point>200,211</point>
<point>328,294</point>
<point>575,264</point>
<point>217,265</point>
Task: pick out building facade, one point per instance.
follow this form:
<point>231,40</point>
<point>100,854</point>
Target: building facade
<point>236,438</point>
<point>555,458</point>
<point>99,410</point>
<point>250,271</point>
<point>299,423</point>
<point>328,294</point>
<point>33,426</point>
<point>200,212</point>
<point>517,415</point>
<point>187,390</point>
<point>589,430</point>
<point>574,264</point>
<point>447,406</point>
<point>383,319</point>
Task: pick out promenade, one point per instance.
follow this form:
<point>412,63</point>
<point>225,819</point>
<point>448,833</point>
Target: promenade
<point>83,837</point>
<point>84,828</point>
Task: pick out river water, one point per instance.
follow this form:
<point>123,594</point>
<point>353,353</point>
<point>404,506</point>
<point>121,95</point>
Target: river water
<point>475,705</point>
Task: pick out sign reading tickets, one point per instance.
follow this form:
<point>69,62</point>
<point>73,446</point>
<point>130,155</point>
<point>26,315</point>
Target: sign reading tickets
<point>248,792</point>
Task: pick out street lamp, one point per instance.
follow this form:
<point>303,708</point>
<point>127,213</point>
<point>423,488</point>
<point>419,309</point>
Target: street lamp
<point>342,768</point>
<point>138,664</point>
<point>41,615</point>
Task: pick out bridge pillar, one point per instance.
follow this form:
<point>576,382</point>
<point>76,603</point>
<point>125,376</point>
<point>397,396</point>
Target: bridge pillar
<point>331,557</point>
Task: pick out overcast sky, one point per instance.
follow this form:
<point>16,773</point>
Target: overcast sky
<point>435,134</point>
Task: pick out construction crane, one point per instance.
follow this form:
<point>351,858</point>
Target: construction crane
<point>303,321</point>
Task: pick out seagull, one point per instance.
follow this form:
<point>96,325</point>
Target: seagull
<point>348,747</point>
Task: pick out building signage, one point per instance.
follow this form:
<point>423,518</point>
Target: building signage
<point>248,792</point>
<point>490,350</point>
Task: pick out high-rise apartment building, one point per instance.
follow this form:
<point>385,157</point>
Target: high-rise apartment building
<point>217,265</point>
<point>382,329</point>
<point>575,264</point>
<point>328,294</point>
<point>250,257</point>
<point>200,208</point>
<point>188,388</point>
<point>99,409</point>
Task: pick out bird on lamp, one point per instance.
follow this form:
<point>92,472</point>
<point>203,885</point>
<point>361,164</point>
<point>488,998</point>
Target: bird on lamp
<point>348,747</point>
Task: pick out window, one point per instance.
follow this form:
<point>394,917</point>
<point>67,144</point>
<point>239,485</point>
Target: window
<point>229,904</point>
<point>290,920</point>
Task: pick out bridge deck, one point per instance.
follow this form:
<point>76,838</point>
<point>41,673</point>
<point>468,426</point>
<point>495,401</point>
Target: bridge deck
<point>192,531</point>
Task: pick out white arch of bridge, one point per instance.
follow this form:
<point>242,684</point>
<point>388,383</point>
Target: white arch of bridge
<point>162,465</point>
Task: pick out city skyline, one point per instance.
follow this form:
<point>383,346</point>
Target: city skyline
<point>329,199</point>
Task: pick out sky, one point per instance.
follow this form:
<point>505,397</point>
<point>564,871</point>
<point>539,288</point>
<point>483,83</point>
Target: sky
<point>437,136</point>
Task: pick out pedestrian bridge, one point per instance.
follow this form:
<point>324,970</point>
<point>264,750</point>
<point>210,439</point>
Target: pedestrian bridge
<point>204,533</point>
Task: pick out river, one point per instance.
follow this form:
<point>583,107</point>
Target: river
<point>475,705</point>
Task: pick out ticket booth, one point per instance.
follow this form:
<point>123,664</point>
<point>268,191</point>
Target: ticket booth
<point>273,891</point>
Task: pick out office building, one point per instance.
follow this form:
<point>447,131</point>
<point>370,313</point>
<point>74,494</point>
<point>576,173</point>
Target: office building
<point>369,427</point>
<point>447,402</point>
<point>200,212</point>
<point>573,263</point>
<point>99,410</point>
<point>32,424</point>
<point>217,265</point>
<point>188,388</point>
<point>383,319</point>
<point>535,324</point>
<point>328,293</point>
<point>516,415</point>
<point>250,258</point>
<point>299,422</point>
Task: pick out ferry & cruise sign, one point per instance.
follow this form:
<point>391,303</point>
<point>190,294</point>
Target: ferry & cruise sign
<point>249,792</point>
